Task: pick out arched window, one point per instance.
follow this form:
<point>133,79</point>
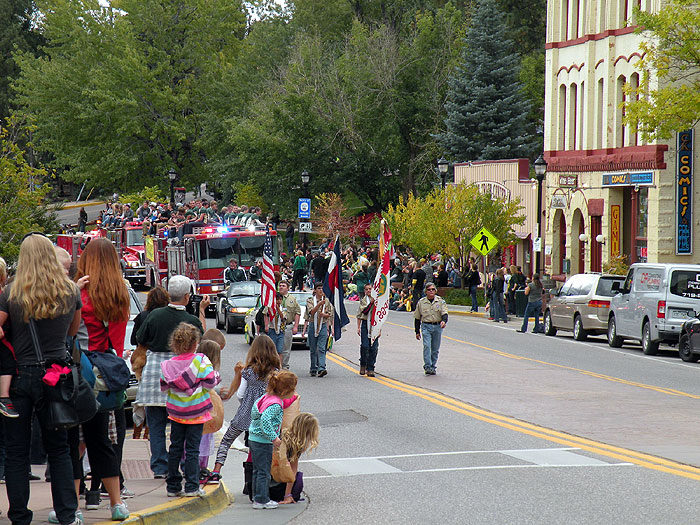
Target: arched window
<point>573,116</point>
<point>620,140</point>
<point>562,117</point>
<point>600,116</point>
<point>634,82</point>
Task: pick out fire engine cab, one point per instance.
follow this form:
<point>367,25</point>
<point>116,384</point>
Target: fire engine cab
<point>204,255</point>
<point>129,243</point>
<point>75,243</point>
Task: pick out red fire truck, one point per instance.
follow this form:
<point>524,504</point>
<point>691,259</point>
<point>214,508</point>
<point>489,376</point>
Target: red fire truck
<point>204,254</point>
<point>129,242</point>
<point>75,243</point>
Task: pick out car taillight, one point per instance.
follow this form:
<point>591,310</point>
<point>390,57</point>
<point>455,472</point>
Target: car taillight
<point>661,310</point>
<point>598,304</point>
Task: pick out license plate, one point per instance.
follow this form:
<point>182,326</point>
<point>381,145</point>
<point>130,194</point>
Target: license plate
<point>680,314</point>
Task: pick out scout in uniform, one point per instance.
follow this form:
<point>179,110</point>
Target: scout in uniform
<point>430,318</point>
<point>368,348</point>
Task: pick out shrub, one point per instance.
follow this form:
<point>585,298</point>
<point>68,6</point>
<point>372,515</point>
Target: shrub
<point>462,297</point>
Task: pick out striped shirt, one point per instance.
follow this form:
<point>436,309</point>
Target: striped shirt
<point>187,378</point>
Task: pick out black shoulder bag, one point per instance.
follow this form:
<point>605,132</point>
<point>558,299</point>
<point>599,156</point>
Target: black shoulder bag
<point>71,401</point>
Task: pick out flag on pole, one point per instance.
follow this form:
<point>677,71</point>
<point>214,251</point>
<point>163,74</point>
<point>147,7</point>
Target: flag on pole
<point>381,288</point>
<point>267,290</point>
<point>333,288</point>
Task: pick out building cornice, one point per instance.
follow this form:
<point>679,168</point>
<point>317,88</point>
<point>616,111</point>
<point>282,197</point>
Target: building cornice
<point>591,37</point>
<point>609,159</point>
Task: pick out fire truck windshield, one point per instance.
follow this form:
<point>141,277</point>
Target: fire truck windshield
<point>215,253</point>
<point>252,250</point>
<point>134,237</point>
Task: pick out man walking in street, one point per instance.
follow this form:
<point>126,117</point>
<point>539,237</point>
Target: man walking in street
<point>430,318</point>
<point>292,311</point>
<point>368,348</point>
<point>299,271</point>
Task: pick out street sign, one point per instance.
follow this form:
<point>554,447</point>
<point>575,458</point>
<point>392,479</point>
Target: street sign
<point>304,227</point>
<point>484,241</point>
<point>304,208</point>
<point>537,244</point>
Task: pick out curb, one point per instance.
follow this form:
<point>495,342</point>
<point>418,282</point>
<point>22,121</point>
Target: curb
<point>183,510</point>
<point>480,314</point>
<point>82,204</point>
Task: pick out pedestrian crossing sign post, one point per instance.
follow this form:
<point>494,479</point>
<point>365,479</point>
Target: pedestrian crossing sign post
<point>484,241</point>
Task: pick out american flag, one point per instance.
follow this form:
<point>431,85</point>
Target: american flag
<point>267,290</point>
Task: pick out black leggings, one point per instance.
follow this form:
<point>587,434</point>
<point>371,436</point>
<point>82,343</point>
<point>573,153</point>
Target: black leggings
<point>103,459</point>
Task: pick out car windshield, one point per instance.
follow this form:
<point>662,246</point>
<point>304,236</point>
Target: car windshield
<point>685,283</point>
<point>605,286</point>
<point>251,288</point>
<point>243,301</point>
<point>301,298</point>
<point>134,237</point>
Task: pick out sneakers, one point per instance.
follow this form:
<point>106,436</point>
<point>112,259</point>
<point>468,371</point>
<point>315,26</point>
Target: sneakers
<point>7,409</point>
<point>430,371</point>
<point>175,494</point>
<point>126,493</point>
<point>120,512</point>
<point>54,519</point>
<point>160,476</point>
<point>312,373</point>
<point>363,370</point>
<point>370,373</point>
<point>321,373</point>
<point>92,499</point>
<point>269,505</point>
<point>213,479</point>
<point>195,493</point>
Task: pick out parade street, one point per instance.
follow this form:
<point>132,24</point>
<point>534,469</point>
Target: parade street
<point>514,428</point>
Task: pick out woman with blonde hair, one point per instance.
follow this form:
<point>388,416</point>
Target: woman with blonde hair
<point>105,314</point>
<point>42,294</point>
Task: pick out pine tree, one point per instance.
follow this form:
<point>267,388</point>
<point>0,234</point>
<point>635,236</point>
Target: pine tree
<point>487,113</point>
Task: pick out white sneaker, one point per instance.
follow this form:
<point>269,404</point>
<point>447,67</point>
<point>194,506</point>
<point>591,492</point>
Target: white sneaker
<point>54,519</point>
<point>126,493</point>
<point>199,492</point>
<point>269,505</point>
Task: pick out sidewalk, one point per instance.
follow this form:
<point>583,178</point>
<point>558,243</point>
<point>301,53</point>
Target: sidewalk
<point>150,506</point>
<point>455,309</point>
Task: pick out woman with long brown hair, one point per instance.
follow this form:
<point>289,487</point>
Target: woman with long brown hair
<point>43,294</point>
<point>103,328</point>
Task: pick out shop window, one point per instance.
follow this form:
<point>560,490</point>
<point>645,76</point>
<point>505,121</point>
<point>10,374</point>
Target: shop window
<point>562,117</point>
<point>600,118</point>
<point>642,224</point>
<point>596,247</point>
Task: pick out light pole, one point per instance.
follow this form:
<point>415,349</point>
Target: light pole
<point>172,175</point>
<point>443,168</point>
<point>305,178</point>
<point>540,172</point>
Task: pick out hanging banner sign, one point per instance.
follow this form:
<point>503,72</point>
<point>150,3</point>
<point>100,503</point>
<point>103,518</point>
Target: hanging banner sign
<point>645,178</point>
<point>615,230</point>
<point>684,193</point>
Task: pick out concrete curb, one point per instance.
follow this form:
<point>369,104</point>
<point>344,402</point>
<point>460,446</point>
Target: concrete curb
<point>183,510</point>
<point>82,204</point>
<point>483,315</point>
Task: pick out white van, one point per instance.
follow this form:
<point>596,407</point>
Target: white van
<point>654,302</point>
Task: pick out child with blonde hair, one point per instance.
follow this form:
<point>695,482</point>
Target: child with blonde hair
<point>212,349</point>
<point>264,432</point>
<point>187,378</point>
<point>300,437</point>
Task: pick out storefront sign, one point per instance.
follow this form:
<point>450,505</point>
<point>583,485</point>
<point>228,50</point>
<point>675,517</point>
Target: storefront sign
<point>684,194</point>
<point>615,230</point>
<point>568,181</point>
<point>558,202</point>
<point>645,178</point>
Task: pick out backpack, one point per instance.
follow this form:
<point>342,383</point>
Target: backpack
<point>108,375</point>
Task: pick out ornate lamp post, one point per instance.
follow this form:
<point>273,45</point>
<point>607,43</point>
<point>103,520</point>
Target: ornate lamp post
<point>172,175</point>
<point>540,172</point>
<point>443,168</point>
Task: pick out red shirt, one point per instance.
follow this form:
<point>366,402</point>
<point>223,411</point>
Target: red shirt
<point>97,332</point>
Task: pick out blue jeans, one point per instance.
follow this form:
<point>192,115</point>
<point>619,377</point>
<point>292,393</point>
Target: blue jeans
<point>187,438</point>
<point>278,339</point>
<point>368,349</point>
<point>431,335</point>
<point>157,420</point>
<point>475,301</point>
<point>27,393</point>
<point>532,309</point>
<point>498,308</point>
<point>317,347</point>
<point>262,461</point>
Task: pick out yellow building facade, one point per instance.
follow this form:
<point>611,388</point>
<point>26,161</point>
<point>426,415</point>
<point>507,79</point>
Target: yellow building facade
<point>609,193</point>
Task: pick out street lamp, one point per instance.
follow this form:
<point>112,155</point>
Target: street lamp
<point>540,172</point>
<point>443,168</point>
<point>305,178</point>
<point>172,175</point>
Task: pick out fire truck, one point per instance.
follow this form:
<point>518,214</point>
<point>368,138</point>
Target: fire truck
<point>204,254</point>
<point>75,243</point>
<point>129,242</point>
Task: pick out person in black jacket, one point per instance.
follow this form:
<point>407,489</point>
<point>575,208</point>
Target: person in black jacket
<point>472,280</point>
<point>156,298</point>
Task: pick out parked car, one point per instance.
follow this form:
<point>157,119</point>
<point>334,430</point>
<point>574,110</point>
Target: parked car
<point>298,339</point>
<point>689,342</point>
<point>653,305</point>
<point>581,306</point>
<point>134,310</point>
<point>233,305</point>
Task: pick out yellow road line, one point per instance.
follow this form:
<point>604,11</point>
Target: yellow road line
<point>660,389</point>
<point>603,449</point>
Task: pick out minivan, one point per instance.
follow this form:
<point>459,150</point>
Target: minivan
<point>654,302</point>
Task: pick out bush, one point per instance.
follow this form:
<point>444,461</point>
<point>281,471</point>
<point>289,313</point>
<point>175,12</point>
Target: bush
<point>148,193</point>
<point>462,297</point>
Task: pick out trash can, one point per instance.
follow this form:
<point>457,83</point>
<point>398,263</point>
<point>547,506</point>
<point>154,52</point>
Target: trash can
<point>520,302</point>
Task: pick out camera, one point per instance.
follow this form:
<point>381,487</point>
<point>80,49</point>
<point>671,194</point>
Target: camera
<point>193,305</point>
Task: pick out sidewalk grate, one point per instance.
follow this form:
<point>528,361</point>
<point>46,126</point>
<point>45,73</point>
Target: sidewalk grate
<point>136,469</point>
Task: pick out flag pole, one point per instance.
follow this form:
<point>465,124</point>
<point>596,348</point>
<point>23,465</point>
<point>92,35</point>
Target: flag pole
<point>381,241</point>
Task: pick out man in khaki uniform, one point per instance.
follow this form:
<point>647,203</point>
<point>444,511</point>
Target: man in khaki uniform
<point>293,313</point>
<point>368,348</point>
<point>430,318</point>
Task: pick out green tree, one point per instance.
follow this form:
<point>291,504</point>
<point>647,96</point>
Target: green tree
<point>120,94</point>
<point>671,55</point>
<point>17,31</point>
<point>445,221</point>
<point>487,114</point>
<point>22,192</point>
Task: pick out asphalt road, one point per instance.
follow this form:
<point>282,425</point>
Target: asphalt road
<point>515,428</point>
<point>69,215</point>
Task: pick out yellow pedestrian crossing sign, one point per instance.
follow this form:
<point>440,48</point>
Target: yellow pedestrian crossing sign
<point>484,241</point>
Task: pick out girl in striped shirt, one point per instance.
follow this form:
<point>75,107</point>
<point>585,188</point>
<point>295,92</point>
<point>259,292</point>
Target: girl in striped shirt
<point>187,378</point>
